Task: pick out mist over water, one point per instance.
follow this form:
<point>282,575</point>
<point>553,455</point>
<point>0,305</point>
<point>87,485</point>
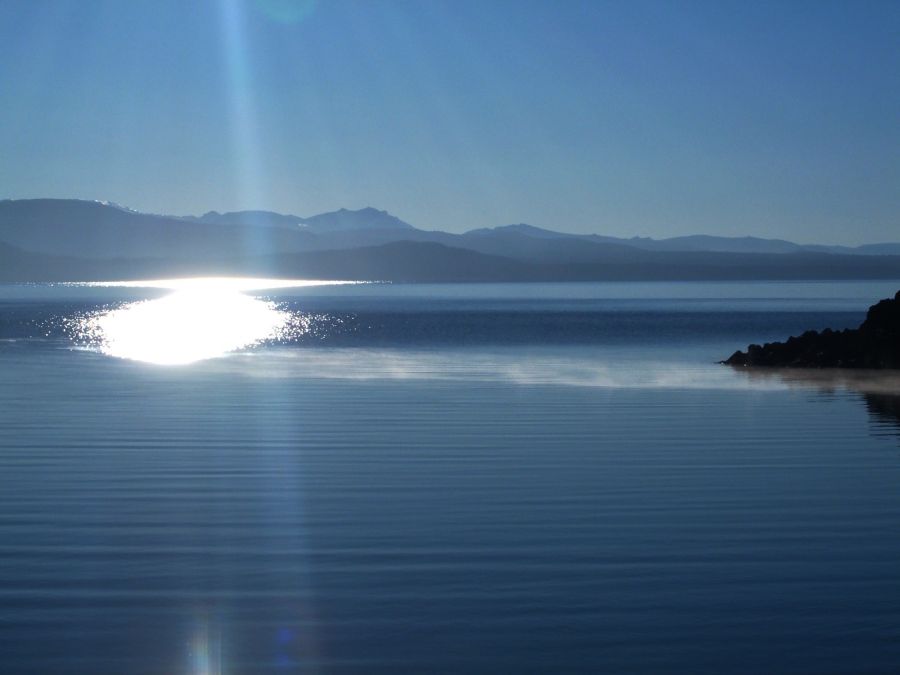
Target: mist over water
<point>516,479</point>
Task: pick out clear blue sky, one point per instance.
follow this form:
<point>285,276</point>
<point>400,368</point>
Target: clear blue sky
<point>631,118</point>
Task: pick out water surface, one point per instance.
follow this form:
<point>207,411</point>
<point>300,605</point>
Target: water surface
<point>521,478</point>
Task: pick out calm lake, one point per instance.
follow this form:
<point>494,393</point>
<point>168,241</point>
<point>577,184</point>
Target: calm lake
<point>461,478</point>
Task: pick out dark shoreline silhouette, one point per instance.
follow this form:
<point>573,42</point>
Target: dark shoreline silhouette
<point>874,345</point>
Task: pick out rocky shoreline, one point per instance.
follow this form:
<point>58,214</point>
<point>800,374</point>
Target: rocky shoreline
<point>874,345</point>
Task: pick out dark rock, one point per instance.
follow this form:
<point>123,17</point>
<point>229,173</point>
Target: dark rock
<point>875,345</point>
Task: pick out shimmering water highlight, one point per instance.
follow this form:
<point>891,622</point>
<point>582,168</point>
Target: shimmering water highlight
<point>201,318</point>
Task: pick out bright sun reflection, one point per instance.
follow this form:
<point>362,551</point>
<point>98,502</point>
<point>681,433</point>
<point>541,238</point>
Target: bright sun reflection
<point>202,318</point>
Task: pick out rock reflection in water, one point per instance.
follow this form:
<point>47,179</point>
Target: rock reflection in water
<point>879,389</point>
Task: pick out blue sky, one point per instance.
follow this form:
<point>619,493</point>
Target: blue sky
<point>634,118</point>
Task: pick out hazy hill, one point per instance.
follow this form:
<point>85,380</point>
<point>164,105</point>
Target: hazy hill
<point>88,229</point>
<point>363,219</point>
<point>431,262</point>
<point>366,219</point>
<point>252,218</point>
<point>54,239</point>
<point>19,265</point>
<point>695,242</point>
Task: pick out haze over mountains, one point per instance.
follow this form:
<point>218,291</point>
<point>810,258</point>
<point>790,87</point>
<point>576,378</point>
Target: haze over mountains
<point>63,239</point>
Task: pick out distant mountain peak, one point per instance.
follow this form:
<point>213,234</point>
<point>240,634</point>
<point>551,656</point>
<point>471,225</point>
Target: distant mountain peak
<point>114,205</point>
<point>253,218</point>
<point>523,229</point>
<point>367,218</point>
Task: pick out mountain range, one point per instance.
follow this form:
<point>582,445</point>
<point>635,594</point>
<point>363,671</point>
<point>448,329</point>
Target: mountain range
<point>67,239</point>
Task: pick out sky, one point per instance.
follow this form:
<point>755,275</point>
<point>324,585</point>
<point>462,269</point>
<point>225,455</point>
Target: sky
<point>630,118</point>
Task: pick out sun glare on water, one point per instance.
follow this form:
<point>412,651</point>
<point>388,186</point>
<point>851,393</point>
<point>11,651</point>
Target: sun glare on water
<point>201,318</point>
